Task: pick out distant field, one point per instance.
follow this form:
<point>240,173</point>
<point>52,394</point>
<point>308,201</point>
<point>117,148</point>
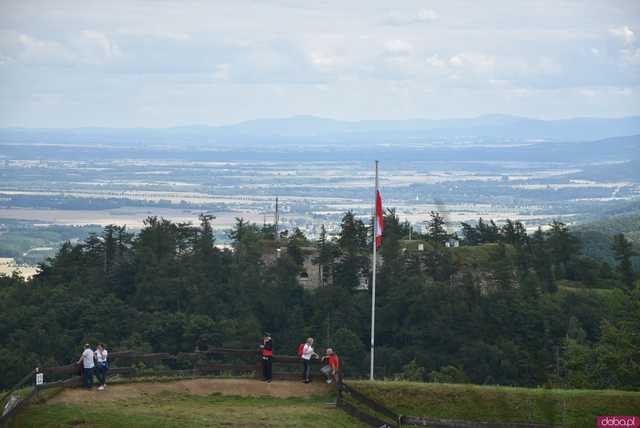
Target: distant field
<point>130,217</point>
<point>28,243</point>
<point>101,189</point>
<point>8,266</point>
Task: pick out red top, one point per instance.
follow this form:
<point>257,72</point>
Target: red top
<point>267,350</point>
<point>334,361</point>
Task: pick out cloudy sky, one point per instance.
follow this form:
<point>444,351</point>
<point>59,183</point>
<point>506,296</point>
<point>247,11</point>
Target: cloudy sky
<point>164,63</point>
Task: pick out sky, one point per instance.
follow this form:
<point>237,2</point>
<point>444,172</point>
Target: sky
<point>161,63</point>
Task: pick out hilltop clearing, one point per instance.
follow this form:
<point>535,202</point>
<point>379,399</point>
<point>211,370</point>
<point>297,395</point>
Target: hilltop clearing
<point>193,403</point>
<point>249,403</point>
<point>199,387</point>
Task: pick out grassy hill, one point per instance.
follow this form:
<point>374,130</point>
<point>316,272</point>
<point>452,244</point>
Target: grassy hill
<point>32,244</point>
<point>569,408</point>
<point>191,403</point>
<point>244,403</point>
<point>628,224</point>
<point>167,410</point>
<point>597,236</point>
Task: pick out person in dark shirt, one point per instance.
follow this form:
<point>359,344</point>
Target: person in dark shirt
<point>266,349</point>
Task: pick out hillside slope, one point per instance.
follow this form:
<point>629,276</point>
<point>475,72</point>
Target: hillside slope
<point>556,407</point>
<point>597,237</point>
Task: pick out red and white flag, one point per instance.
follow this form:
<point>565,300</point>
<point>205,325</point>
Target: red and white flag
<point>379,220</point>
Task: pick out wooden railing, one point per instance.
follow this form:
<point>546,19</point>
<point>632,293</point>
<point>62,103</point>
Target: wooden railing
<point>123,363</point>
<point>372,413</point>
<point>365,407</point>
<point>199,360</point>
<point>350,400</point>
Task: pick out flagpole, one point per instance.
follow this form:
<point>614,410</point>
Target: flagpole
<point>373,282</point>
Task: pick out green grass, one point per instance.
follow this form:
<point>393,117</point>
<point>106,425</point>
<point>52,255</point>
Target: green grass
<point>570,408</point>
<point>477,256</point>
<point>170,409</point>
<point>577,286</point>
<point>557,407</point>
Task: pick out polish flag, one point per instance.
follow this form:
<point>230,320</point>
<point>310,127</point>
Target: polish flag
<point>379,220</point>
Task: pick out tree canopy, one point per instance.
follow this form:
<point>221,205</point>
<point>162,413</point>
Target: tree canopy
<point>504,308</point>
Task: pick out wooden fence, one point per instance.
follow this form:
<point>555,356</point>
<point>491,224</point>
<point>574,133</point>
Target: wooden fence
<point>430,422</point>
<point>247,361</point>
<point>346,394</point>
<point>130,364</point>
<point>375,414</point>
<point>199,360</point>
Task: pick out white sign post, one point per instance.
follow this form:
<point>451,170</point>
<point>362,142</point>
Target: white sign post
<point>39,378</point>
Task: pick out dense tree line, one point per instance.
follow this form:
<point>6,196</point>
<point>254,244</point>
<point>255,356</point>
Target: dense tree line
<point>506,307</point>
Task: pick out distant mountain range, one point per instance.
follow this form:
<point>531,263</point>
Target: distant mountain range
<point>310,129</point>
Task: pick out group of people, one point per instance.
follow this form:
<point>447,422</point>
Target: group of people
<point>331,369</point>
<point>94,362</point>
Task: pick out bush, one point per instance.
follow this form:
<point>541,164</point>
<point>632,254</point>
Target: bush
<point>449,374</point>
<point>411,372</point>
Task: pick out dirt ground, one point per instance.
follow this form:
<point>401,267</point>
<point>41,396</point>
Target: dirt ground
<point>242,387</point>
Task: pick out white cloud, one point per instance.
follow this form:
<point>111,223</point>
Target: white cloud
<point>96,47</point>
<point>274,56</point>
<point>500,83</point>
<point>86,47</point>
<point>156,34</point>
<point>477,62</point>
<point>222,72</point>
<point>427,15</point>
<point>420,16</point>
<point>588,93</point>
<point>625,92</point>
<point>523,92</point>
<point>398,47</point>
<point>4,59</point>
<point>547,66</point>
<point>436,61</point>
<point>324,60</point>
<point>631,56</point>
<point>27,49</point>
<point>624,33</point>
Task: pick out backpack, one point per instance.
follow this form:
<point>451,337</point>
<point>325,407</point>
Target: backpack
<point>301,349</point>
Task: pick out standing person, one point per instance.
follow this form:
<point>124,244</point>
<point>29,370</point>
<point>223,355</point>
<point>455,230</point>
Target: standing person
<point>102,365</point>
<point>87,365</point>
<point>332,367</point>
<point>266,349</point>
<point>307,354</point>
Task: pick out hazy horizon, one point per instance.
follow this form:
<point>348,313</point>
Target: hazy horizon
<point>311,116</point>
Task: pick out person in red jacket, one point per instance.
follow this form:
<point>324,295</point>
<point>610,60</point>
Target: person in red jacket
<point>266,350</point>
<point>332,368</point>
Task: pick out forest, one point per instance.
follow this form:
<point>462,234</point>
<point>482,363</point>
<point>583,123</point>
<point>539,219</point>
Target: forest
<point>505,307</point>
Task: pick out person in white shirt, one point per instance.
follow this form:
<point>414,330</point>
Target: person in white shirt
<point>102,366</point>
<point>307,354</point>
<point>87,365</point>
